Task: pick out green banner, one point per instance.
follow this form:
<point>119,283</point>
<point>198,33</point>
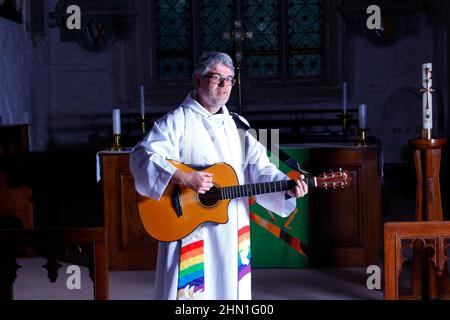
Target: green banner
<point>281,242</point>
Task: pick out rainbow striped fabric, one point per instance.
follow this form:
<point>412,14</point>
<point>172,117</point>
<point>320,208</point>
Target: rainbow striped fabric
<point>244,257</point>
<point>191,278</point>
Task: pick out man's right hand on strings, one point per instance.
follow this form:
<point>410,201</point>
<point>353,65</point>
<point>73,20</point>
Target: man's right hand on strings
<point>198,181</point>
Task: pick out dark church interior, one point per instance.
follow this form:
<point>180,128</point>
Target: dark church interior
<point>338,84</point>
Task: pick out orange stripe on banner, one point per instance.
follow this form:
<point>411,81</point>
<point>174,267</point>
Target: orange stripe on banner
<point>273,229</point>
<point>265,224</point>
<point>276,231</point>
<point>296,245</point>
<point>293,174</point>
<point>291,217</point>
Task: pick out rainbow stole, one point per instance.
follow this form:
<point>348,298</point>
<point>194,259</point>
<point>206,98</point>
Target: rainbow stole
<point>191,277</point>
<point>244,257</point>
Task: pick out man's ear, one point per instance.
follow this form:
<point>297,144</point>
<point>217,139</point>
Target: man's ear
<point>197,80</point>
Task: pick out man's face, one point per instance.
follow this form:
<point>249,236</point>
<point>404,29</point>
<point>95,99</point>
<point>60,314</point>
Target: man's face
<point>215,95</point>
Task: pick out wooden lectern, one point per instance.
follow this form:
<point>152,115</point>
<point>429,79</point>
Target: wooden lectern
<point>427,158</point>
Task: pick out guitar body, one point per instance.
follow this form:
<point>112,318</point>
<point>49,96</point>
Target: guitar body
<point>181,210</point>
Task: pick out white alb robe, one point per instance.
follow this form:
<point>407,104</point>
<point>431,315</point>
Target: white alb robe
<point>192,135</point>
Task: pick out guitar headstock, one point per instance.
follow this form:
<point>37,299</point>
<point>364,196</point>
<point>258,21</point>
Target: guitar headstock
<point>334,180</point>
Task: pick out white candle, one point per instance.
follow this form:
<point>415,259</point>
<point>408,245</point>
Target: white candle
<point>344,97</point>
<point>116,121</point>
<point>142,101</point>
<point>362,116</point>
<point>427,98</point>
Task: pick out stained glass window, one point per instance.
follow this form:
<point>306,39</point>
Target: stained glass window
<point>262,55</point>
<point>287,35</point>
<point>215,17</point>
<point>174,46</point>
<point>305,37</point>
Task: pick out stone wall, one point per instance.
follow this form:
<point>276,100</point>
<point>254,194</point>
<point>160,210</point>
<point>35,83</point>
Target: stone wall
<point>24,81</point>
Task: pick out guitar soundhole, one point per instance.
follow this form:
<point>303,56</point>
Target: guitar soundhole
<point>210,198</point>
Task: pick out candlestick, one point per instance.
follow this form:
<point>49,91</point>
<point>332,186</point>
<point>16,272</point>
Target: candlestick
<point>116,121</point>
<point>142,102</point>
<point>362,137</point>
<point>362,116</point>
<point>345,117</point>
<point>116,145</point>
<point>143,125</point>
<point>427,100</point>
<point>344,97</point>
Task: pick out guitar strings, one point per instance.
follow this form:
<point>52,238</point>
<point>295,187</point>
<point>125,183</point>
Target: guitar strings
<point>215,193</point>
<point>191,197</point>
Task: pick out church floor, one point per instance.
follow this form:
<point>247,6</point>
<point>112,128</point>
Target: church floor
<point>268,284</point>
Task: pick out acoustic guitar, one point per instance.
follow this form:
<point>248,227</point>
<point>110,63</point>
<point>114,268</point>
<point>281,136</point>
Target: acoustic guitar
<point>181,210</point>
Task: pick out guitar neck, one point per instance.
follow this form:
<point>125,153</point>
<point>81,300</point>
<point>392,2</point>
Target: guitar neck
<point>247,190</point>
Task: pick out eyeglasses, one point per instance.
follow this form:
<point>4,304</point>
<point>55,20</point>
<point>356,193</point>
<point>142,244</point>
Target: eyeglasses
<point>216,79</point>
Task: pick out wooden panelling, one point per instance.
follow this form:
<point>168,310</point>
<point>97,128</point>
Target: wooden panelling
<point>129,246</point>
<point>13,140</point>
<point>345,224</point>
<point>16,201</point>
<point>15,198</point>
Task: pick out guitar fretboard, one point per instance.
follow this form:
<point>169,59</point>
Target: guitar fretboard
<point>247,190</point>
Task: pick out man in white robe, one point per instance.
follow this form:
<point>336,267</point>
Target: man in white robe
<point>202,132</point>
